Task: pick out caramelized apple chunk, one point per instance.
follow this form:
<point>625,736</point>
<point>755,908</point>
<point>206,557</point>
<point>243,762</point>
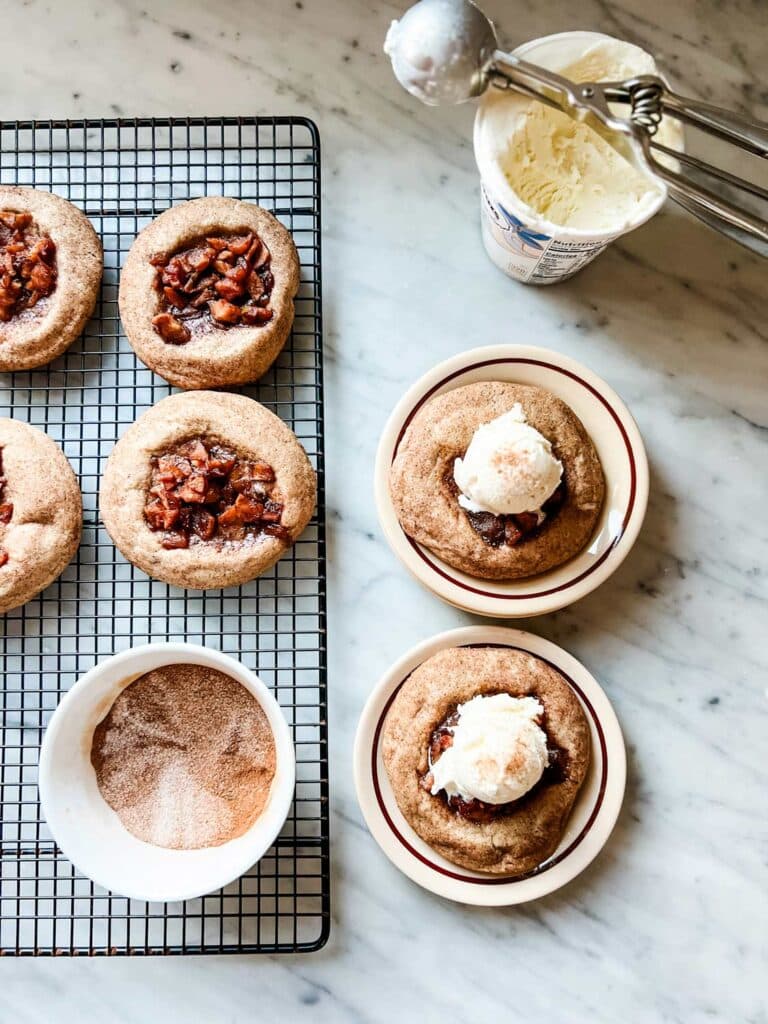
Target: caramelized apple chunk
<point>201,491</point>
<point>225,280</point>
<point>28,270</point>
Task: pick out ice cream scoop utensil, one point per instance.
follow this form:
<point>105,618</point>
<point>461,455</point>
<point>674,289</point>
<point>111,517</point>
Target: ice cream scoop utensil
<point>445,51</point>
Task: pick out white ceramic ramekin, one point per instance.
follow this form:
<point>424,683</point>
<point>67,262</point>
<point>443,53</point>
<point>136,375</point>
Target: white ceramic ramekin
<point>91,834</point>
<point>619,447</point>
<point>525,245</point>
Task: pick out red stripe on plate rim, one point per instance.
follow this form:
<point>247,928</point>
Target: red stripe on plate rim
<point>632,484</point>
<point>541,868</point>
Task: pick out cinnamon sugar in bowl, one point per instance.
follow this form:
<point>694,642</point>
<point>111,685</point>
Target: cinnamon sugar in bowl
<point>166,772</point>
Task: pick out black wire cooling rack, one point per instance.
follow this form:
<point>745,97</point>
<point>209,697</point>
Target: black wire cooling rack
<point>123,173</point>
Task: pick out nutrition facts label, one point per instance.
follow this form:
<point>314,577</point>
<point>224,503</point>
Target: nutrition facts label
<point>561,259</point>
<point>524,252</point>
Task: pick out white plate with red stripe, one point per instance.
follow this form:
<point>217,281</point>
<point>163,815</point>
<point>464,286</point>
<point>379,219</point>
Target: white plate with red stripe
<point>591,821</point>
<point>619,447</point>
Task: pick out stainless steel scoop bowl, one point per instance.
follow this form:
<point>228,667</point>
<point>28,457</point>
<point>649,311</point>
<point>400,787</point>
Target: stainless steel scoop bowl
<point>441,50</point>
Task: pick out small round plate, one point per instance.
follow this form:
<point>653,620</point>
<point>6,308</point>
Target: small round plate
<point>619,446</point>
<point>589,826</point>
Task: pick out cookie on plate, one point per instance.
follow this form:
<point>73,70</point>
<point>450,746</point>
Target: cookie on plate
<point>486,749</point>
<point>499,480</point>
<point>207,290</point>
<point>207,490</point>
<point>41,513</point>
<point>50,271</point>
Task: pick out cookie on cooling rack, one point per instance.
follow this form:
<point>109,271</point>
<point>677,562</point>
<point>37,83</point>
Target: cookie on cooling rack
<point>207,490</point>
<point>50,270</point>
<point>41,513</point>
<point>207,291</point>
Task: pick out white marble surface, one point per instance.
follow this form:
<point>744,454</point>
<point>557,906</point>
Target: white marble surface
<point>669,924</point>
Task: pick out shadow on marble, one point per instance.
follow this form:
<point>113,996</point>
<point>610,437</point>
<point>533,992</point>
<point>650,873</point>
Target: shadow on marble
<point>682,298</point>
<point>651,569</point>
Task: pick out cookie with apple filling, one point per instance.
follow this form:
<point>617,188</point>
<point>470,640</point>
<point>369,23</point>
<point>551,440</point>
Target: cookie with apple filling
<point>207,292</point>
<point>427,501</point>
<point>41,512</point>
<point>50,272</point>
<point>207,490</point>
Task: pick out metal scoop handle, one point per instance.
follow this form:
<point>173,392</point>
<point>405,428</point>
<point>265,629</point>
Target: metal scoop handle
<point>585,102</point>
<point>749,135</point>
<point>650,99</point>
<point>700,200</point>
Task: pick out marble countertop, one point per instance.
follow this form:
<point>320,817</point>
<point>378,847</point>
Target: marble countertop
<point>669,923</point>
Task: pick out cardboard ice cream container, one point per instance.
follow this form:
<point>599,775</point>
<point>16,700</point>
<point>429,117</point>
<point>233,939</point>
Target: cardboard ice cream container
<point>520,240</point>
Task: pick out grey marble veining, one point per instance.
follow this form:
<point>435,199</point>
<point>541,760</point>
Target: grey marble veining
<point>669,924</point>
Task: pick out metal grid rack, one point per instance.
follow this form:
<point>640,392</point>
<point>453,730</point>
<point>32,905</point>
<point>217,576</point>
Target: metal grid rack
<point>123,173</point>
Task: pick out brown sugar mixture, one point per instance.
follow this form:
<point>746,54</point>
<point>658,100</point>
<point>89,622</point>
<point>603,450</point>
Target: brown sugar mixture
<point>202,491</point>
<point>27,264</point>
<point>225,280</point>
<point>185,757</point>
<point>6,510</point>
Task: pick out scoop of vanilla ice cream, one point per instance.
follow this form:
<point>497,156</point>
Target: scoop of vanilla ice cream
<point>508,468</point>
<point>563,169</point>
<point>499,750</point>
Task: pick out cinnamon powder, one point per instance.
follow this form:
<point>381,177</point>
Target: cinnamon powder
<point>185,757</point>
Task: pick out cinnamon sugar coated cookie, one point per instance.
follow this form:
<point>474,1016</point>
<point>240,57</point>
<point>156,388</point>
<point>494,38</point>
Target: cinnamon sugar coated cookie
<point>50,271</point>
<point>207,290</point>
<point>426,497</point>
<point>207,490</point>
<point>41,513</point>
<point>512,838</point>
